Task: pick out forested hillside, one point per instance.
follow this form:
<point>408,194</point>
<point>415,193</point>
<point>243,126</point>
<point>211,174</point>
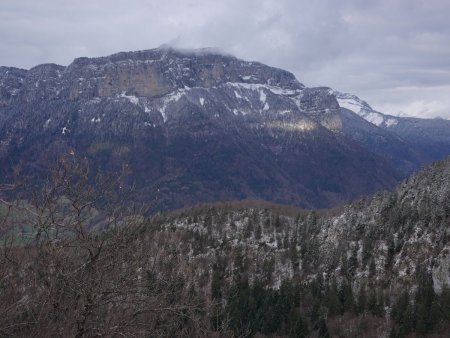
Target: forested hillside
<point>79,260</point>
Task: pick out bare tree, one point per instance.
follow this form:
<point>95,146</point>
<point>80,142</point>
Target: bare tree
<point>89,263</point>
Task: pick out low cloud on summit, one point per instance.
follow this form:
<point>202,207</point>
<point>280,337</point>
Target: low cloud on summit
<point>395,54</point>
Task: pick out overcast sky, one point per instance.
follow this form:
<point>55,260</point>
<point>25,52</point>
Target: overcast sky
<point>393,53</point>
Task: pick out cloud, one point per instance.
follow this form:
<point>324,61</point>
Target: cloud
<point>391,53</point>
<point>417,101</point>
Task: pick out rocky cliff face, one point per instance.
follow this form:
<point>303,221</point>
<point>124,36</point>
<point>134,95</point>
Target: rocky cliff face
<point>193,126</point>
<point>151,74</point>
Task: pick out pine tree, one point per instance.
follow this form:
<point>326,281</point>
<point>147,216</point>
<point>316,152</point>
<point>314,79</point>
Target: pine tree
<point>216,283</point>
<point>375,304</point>
<point>402,315</point>
<point>297,326</point>
<point>353,261</point>
<point>323,329</point>
<point>390,252</point>
<point>258,232</point>
<point>346,297</point>
<point>332,300</point>
<point>362,300</point>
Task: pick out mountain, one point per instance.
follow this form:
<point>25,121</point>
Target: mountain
<point>198,126</point>
<point>430,137</point>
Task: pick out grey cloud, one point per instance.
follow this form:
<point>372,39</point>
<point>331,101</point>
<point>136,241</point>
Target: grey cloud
<point>390,52</point>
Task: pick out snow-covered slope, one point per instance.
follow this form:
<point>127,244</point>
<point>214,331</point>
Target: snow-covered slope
<point>430,137</point>
<point>363,109</point>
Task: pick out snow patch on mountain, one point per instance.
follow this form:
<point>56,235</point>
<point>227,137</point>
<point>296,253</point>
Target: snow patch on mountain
<point>363,109</point>
<point>262,96</point>
<point>169,98</point>
<point>390,122</point>
<point>258,87</point>
<point>133,99</point>
<point>376,119</point>
<point>349,104</point>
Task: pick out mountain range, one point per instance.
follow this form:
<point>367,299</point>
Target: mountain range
<point>198,126</point>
